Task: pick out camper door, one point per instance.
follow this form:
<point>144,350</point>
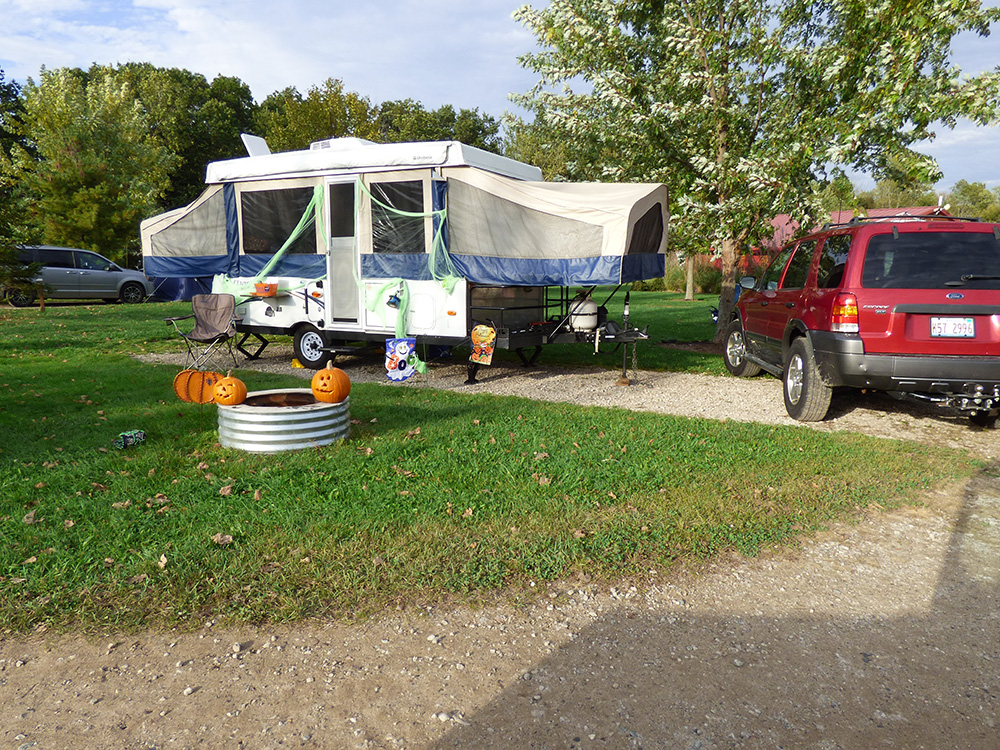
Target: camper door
<point>342,264</point>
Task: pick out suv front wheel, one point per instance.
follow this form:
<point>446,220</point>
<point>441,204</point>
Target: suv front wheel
<point>807,397</point>
<point>735,350</point>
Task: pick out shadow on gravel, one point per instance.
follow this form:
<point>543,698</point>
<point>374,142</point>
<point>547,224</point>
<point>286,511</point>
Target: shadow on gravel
<point>929,677</point>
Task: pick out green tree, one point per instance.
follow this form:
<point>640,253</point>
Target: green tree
<point>740,105</point>
<point>14,230</point>
<point>289,121</point>
<point>91,168</point>
<point>197,121</point>
<point>974,199</point>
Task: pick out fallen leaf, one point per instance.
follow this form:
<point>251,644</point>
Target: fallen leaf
<point>467,513</point>
<point>98,486</point>
<point>412,433</point>
<point>162,563</point>
<point>257,495</point>
<point>124,504</point>
<point>108,562</point>
<point>540,456</point>
<point>30,560</point>
<point>541,479</point>
<point>29,517</point>
<point>202,466</point>
<point>69,524</point>
<point>269,567</point>
<point>39,485</point>
<point>579,533</point>
<point>222,539</point>
<point>138,579</point>
<point>227,490</point>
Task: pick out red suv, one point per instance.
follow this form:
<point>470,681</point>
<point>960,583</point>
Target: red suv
<point>906,305</point>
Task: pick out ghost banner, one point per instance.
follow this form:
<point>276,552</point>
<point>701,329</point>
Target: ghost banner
<point>400,358</point>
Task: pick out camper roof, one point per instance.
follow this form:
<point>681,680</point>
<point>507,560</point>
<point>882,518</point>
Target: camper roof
<point>351,155</point>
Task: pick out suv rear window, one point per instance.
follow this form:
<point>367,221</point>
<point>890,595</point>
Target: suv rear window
<point>928,260</point>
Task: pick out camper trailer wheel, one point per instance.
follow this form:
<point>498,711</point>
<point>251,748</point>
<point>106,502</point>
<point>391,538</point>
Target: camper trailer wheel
<point>310,347</point>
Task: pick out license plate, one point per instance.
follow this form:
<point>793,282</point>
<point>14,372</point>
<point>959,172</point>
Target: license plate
<point>953,328</point>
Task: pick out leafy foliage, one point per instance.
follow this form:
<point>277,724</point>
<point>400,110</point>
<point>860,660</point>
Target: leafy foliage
<point>99,168</point>
<point>740,106</point>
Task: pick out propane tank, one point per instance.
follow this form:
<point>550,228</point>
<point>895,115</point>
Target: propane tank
<point>583,313</point>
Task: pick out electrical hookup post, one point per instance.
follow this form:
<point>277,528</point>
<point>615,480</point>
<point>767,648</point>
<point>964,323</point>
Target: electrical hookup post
<point>624,379</point>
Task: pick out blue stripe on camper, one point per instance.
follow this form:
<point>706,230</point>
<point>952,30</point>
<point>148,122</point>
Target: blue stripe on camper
<point>410,266</point>
<point>306,266</point>
<point>537,271</point>
<point>642,266</point>
<point>188,266</point>
<point>232,230</point>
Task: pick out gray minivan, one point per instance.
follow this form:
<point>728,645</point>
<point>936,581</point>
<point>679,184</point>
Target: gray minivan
<point>70,273</point>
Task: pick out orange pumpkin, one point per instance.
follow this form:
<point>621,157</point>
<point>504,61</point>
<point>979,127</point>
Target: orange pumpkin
<point>331,384</point>
<point>195,386</point>
<point>181,384</point>
<point>229,390</point>
<point>201,386</point>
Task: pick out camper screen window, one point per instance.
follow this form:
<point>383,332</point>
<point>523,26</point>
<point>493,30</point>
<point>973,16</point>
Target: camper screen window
<point>393,230</point>
<point>270,217</point>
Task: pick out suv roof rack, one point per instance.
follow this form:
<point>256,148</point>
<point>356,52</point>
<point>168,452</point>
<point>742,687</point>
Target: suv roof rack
<point>899,217</point>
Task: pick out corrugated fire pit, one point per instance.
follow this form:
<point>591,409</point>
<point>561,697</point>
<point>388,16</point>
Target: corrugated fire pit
<point>282,420</point>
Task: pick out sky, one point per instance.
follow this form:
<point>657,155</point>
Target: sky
<point>458,52</point>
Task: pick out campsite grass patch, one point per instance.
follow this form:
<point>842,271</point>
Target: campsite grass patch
<point>435,495</point>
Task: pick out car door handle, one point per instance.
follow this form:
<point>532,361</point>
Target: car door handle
<point>789,305</point>
<point>763,303</point>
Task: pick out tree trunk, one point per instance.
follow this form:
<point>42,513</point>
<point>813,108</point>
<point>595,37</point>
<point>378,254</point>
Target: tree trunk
<point>689,273</point>
<point>728,295</point>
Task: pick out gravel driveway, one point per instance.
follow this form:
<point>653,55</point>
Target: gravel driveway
<point>881,634</point>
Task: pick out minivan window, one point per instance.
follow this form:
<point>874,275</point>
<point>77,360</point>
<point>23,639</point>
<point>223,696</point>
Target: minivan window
<point>54,258</point>
<point>932,260</point>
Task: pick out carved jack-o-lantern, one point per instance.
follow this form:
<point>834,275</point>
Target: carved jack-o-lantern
<point>230,391</point>
<point>331,385</point>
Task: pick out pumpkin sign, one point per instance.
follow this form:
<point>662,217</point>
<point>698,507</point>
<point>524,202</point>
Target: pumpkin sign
<point>331,384</point>
<point>230,391</point>
<point>195,386</point>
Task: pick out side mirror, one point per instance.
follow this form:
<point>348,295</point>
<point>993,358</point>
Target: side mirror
<point>748,282</point>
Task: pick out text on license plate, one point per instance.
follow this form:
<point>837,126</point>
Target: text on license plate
<point>962,328</point>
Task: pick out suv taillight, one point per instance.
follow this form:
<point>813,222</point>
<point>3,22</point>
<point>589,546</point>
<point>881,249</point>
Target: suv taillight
<point>844,318</point>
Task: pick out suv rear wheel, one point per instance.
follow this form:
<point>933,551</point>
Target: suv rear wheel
<point>807,397</point>
<point>734,353</point>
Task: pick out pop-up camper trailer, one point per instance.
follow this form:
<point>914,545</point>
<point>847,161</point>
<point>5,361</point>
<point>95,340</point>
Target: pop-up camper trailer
<point>351,241</point>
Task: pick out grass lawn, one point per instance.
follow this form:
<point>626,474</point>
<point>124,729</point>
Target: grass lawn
<point>435,495</point>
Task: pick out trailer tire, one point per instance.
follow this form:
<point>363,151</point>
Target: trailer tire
<point>309,346</point>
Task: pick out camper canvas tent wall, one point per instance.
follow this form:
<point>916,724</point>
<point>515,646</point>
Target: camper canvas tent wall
<point>370,241</point>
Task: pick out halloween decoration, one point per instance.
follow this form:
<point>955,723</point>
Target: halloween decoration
<point>196,386</point>
<point>229,390</point>
<point>331,384</point>
<point>483,340</point>
<point>400,358</point>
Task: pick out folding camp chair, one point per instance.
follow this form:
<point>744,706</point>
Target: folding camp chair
<point>214,329</point>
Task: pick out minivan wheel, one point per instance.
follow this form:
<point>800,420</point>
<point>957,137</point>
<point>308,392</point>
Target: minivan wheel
<point>20,299</point>
<point>308,347</point>
<point>807,397</point>
<point>734,353</point>
<point>131,293</point>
